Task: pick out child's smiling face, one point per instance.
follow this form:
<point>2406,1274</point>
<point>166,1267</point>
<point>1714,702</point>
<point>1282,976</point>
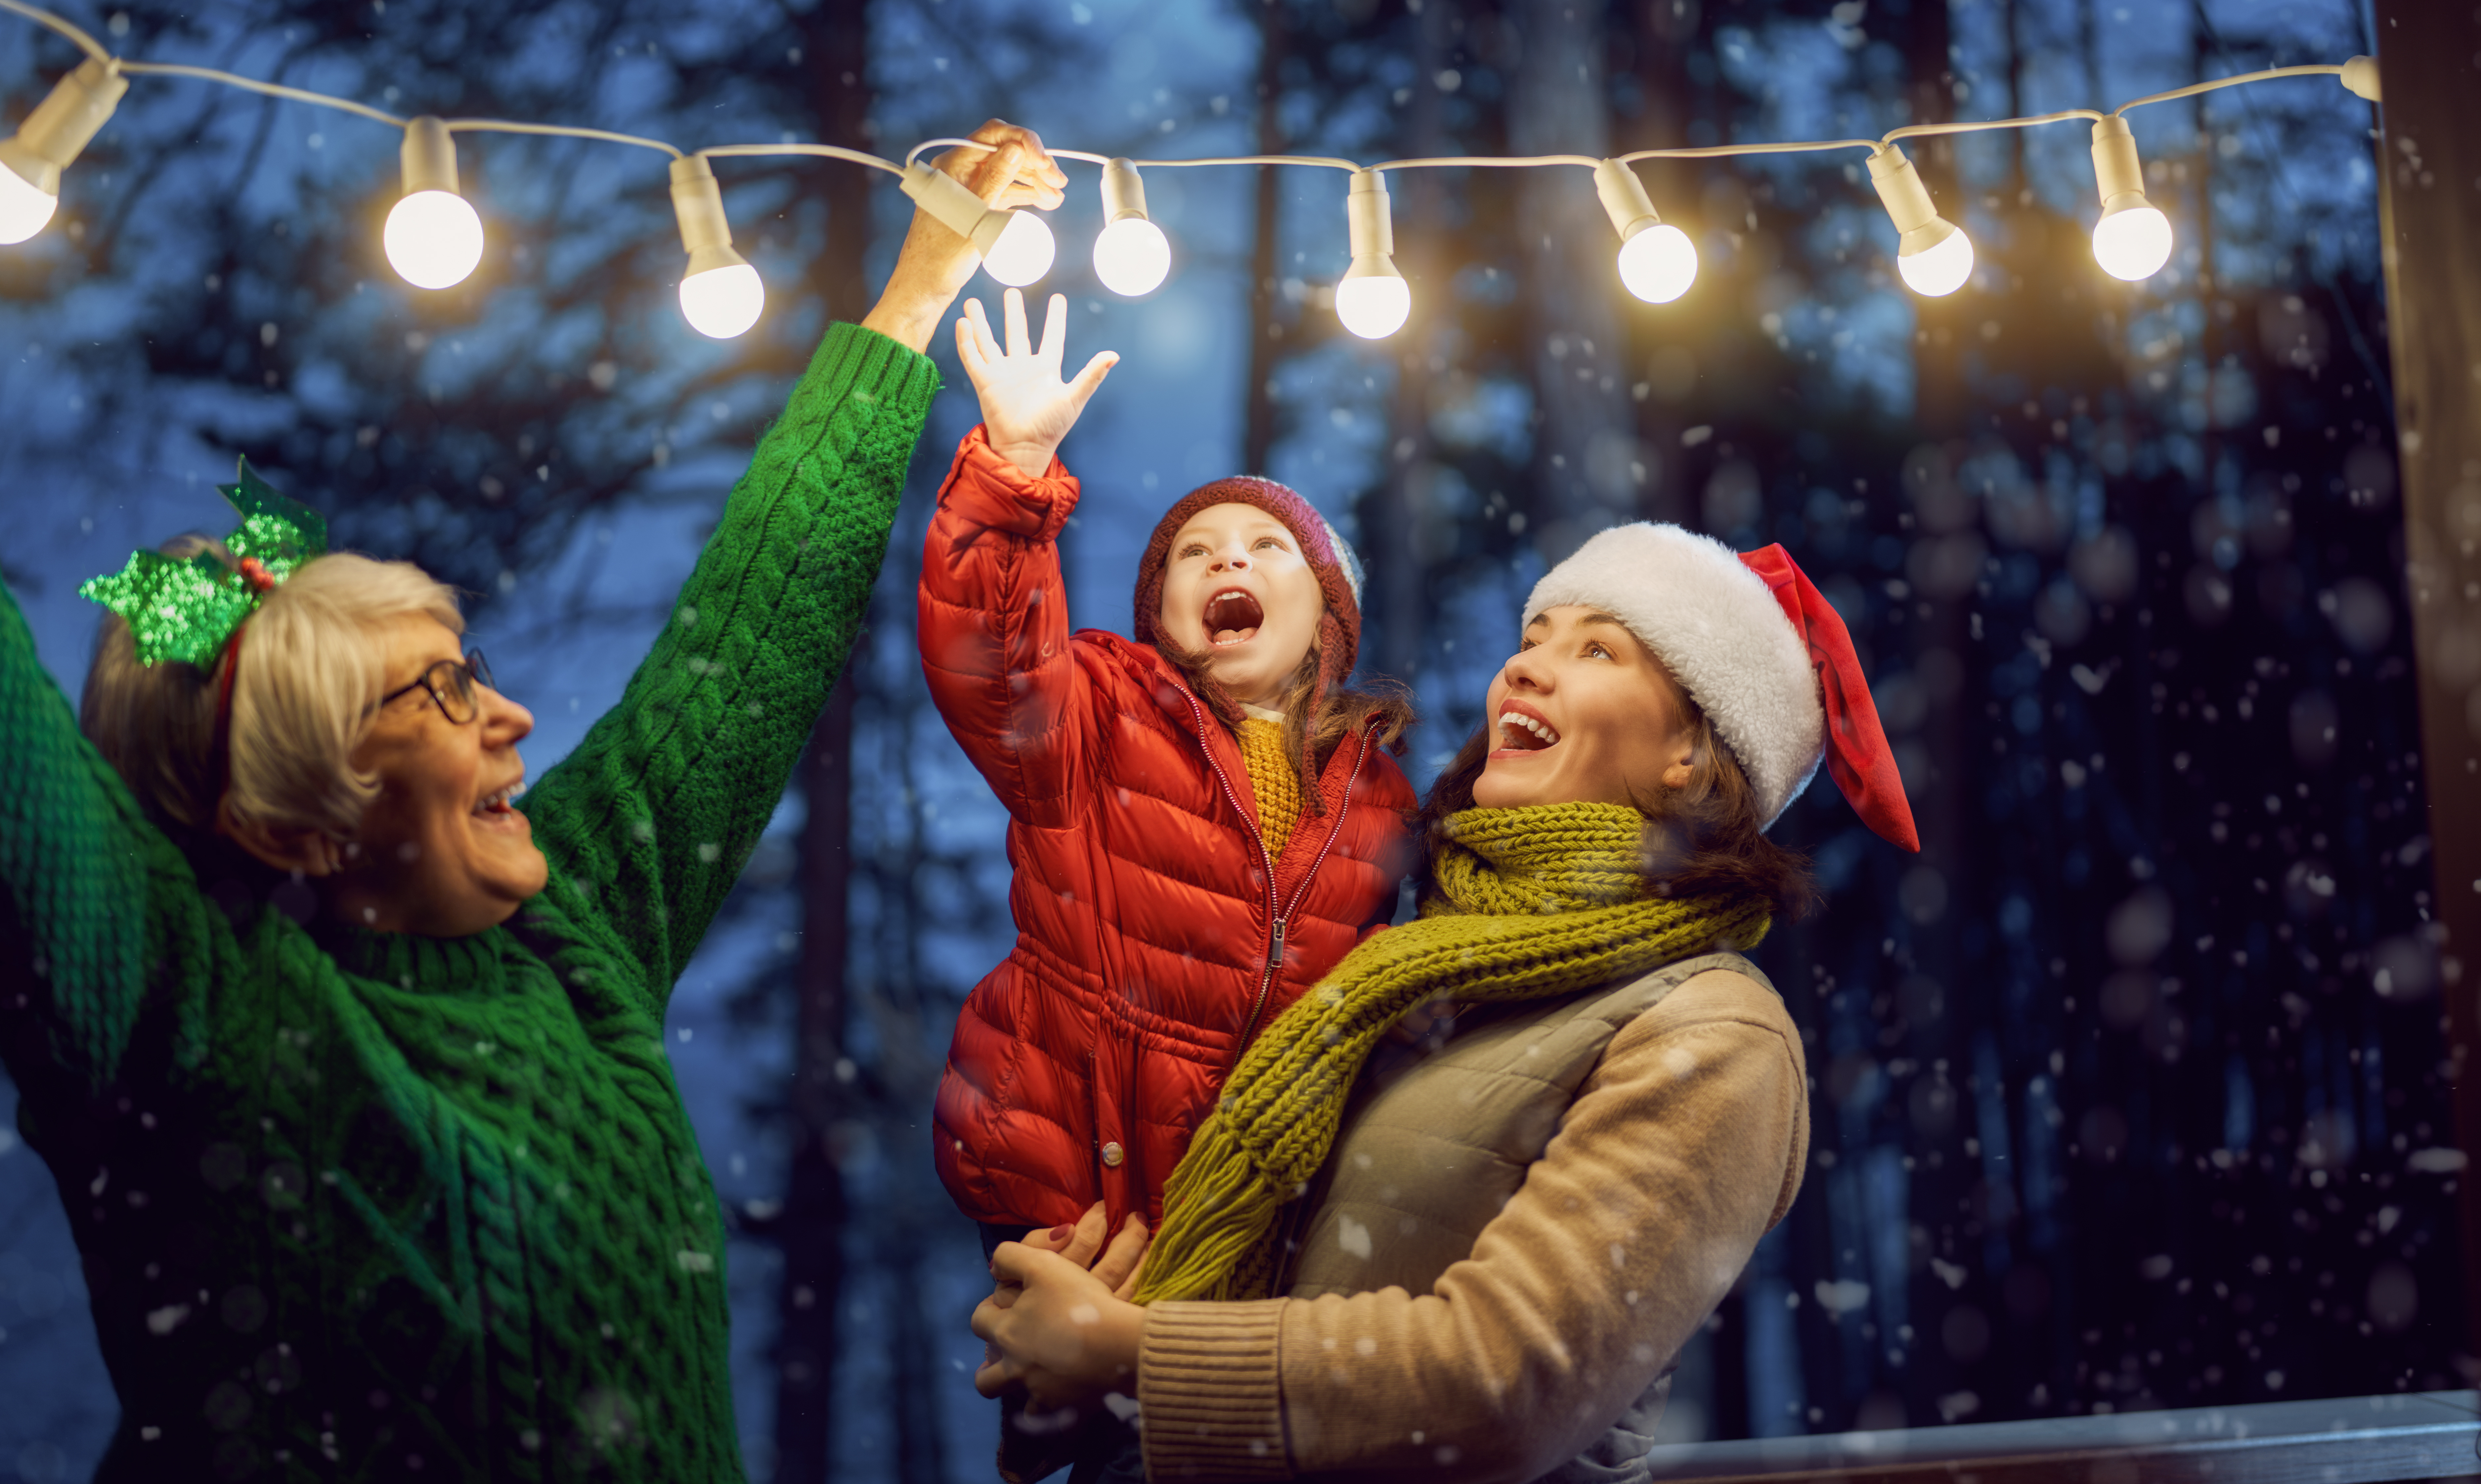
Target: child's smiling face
<point>1238,590</point>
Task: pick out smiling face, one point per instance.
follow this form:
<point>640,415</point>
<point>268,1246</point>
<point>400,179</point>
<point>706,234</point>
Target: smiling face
<point>1237,588</point>
<point>1582,712</point>
<point>439,852</point>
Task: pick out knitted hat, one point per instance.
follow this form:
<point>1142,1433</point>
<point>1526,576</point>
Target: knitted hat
<point>1758,647</point>
<point>1338,573</point>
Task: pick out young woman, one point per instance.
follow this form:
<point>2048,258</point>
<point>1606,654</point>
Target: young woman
<point>1479,1261</point>
<point>1201,822</point>
<point>350,1066</point>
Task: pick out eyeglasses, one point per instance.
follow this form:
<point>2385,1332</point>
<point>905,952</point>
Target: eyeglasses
<point>451,684</point>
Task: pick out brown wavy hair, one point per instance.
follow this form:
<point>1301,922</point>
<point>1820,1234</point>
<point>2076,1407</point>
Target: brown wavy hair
<point>1702,839</point>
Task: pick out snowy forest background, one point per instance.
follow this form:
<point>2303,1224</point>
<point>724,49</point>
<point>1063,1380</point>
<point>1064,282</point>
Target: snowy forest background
<point>2127,1089</point>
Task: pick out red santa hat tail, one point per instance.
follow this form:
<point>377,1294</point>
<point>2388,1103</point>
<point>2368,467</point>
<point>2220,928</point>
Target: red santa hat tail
<point>1759,648</point>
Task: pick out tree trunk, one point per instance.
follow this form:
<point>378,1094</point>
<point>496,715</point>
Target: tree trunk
<point>836,49</point>
<point>2432,235</point>
<point>1586,462</point>
<point>1257,402</point>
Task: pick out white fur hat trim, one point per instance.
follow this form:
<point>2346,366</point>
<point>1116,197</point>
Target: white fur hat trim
<point>1688,598</point>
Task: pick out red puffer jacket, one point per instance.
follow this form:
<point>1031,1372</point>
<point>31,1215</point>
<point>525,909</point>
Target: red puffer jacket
<point>1151,943</point>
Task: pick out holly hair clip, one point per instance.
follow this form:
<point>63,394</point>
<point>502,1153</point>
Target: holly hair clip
<point>189,608</point>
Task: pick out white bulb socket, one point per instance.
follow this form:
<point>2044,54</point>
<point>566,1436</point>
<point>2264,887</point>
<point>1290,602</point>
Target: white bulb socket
<point>1932,254</point>
<point>1133,256</point>
<point>48,142</point>
<point>2361,78</point>
<point>1373,300</point>
<point>721,296</point>
<point>432,237</point>
<point>2132,240</point>
<point>1016,247</point>
<point>1657,261</point>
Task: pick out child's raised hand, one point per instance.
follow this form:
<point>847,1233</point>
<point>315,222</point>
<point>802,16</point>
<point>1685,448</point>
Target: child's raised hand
<point>1027,410</point>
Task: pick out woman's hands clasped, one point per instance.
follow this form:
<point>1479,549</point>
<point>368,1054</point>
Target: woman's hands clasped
<point>1027,410</point>
<point>1066,1333</point>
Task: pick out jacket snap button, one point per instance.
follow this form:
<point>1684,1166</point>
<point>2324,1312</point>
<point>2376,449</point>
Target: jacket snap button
<point>1112,1155</point>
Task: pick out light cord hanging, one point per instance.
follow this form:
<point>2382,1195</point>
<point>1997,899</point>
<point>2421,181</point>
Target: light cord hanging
<point>435,238</point>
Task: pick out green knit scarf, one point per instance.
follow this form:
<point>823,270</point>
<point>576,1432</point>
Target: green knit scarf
<point>1527,904</point>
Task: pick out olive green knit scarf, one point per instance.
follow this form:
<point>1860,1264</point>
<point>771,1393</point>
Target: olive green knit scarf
<point>1527,904</point>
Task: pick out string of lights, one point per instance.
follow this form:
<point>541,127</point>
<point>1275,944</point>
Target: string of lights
<point>434,239</point>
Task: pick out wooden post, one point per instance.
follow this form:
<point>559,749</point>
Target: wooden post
<point>2430,213</point>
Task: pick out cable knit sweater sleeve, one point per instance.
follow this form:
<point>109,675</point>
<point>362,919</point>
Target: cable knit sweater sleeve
<point>1683,1147</point>
<point>95,904</point>
<point>648,822</point>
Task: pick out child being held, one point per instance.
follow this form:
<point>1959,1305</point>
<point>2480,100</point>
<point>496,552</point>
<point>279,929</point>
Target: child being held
<point>1201,822</point>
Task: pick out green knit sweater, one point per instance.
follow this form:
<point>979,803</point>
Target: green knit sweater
<point>364,1206</point>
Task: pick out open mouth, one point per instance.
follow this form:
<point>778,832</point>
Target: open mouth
<point>1233,616</point>
<point>1521,730</point>
<point>501,805</point>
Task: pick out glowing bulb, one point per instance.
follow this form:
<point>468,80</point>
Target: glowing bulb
<point>1658,264</point>
<point>1022,251</point>
<point>1941,268</point>
<point>2133,244</point>
<point>433,239</point>
<point>32,158</point>
<point>25,206</point>
<point>1374,306</point>
<point>722,302</point>
<point>1131,257</point>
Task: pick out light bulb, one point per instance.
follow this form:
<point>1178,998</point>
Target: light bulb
<point>1374,306</point>
<point>2133,244</point>
<point>721,293</point>
<point>25,208</point>
<point>2132,240</point>
<point>433,239</point>
<point>1131,257</point>
<point>32,158</point>
<point>1658,264</point>
<point>1023,251</point>
<point>722,302</point>
<point>1941,268</point>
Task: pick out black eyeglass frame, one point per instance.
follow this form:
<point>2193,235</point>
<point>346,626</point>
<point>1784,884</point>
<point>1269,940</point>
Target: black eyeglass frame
<point>446,677</point>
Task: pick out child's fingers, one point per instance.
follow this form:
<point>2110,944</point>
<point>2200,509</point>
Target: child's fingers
<point>1118,1269</point>
<point>1091,377</point>
<point>969,353</point>
<point>1055,331</point>
<point>983,343</point>
<point>1087,1239</point>
<point>1014,307</point>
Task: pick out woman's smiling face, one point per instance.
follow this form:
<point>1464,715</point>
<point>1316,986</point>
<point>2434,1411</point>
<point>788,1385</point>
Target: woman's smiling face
<point>440,852</point>
<point>1582,712</point>
<point>1238,590</point>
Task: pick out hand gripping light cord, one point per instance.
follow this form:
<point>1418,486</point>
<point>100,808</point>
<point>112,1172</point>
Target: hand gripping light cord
<point>1016,246</point>
<point>721,294</point>
<point>434,239</point>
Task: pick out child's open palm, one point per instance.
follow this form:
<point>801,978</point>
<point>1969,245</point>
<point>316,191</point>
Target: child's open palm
<point>1027,410</point>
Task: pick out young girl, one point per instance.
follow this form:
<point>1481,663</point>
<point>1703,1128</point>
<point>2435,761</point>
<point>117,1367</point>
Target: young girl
<point>1201,822</point>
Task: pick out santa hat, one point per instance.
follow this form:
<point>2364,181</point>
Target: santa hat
<point>1760,651</point>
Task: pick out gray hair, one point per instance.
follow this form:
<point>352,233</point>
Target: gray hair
<point>312,665</point>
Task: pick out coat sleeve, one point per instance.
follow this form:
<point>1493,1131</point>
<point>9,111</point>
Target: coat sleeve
<point>994,631</point>
<point>1682,1149</point>
<point>650,821</point>
<point>96,905</point>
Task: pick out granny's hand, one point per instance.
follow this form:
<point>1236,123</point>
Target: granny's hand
<point>1082,1244</point>
<point>1064,1336</point>
<point>1026,408</point>
<point>935,261</point>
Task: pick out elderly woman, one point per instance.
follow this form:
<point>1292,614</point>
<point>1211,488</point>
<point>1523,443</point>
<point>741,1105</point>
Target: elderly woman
<point>348,1065</point>
<point>1477,1258</point>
